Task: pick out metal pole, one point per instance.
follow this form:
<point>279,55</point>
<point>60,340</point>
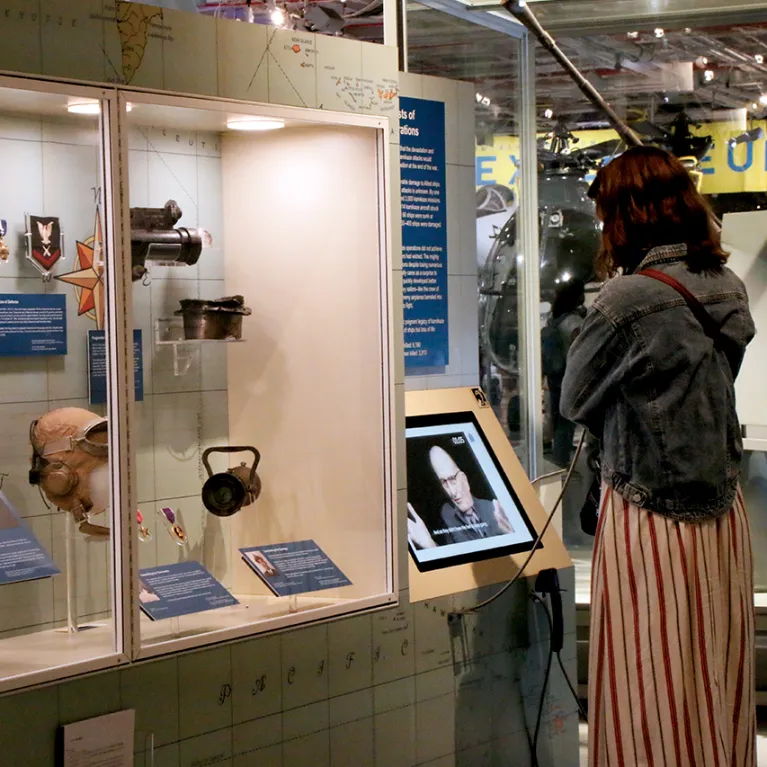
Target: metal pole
<point>529,269</point>
<point>520,10</point>
<point>71,560</point>
<point>400,7</point>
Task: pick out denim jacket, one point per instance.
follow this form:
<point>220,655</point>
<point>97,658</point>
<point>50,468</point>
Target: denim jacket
<point>644,378</point>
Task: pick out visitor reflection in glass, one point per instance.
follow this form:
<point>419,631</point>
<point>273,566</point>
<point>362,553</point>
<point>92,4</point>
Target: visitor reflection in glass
<point>567,313</point>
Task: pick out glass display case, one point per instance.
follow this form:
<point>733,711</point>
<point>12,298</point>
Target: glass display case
<point>269,336</point>
<point>60,570</point>
<point>195,356</point>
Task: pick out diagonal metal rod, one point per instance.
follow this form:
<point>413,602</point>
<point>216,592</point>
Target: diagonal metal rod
<point>521,11</point>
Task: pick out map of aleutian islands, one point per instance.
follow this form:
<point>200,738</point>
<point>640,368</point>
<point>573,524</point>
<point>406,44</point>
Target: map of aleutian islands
<point>133,26</point>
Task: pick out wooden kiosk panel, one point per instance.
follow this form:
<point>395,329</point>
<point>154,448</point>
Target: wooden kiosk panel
<point>489,542</point>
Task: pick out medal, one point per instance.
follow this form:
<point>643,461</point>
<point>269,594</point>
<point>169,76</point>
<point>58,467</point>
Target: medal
<point>4,250</point>
<point>172,525</point>
<point>143,531</point>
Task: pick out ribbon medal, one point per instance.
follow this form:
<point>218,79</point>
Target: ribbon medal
<point>173,527</point>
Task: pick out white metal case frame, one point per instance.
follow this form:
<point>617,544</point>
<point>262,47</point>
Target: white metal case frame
<point>316,116</point>
<point>117,350</point>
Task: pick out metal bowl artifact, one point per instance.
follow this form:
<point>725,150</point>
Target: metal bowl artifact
<point>214,320</point>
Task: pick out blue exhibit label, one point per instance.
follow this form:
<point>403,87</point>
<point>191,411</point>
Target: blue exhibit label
<point>22,558</point>
<point>424,233</point>
<point>294,568</point>
<point>33,324</point>
<point>181,588</point>
<point>97,366</point>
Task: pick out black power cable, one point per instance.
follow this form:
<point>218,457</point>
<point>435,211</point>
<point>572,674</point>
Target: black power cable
<point>570,685</point>
<point>534,549</point>
<point>554,650</point>
<point>540,706</point>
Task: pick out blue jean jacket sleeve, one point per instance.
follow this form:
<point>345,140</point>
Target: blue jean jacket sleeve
<point>595,365</point>
<point>739,329</point>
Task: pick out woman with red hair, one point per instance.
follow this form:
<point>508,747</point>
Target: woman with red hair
<point>651,374</point>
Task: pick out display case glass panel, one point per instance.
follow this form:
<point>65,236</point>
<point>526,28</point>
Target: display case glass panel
<point>57,568</point>
<point>723,144</point>
<point>259,255</point>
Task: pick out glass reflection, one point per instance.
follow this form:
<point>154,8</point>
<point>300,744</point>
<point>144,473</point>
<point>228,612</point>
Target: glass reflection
<point>569,239</point>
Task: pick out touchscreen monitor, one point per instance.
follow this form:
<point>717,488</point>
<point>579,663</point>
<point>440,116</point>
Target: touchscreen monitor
<point>461,506</point>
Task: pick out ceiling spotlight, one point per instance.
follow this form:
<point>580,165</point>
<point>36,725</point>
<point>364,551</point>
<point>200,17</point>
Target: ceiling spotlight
<point>701,62</point>
<point>277,17</point>
<point>754,106</point>
<point>763,99</point>
<point>548,114</point>
<point>687,30</point>
<point>708,75</point>
<point>658,32</point>
<point>84,107</point>
<point>253,123</point>
<point>759,59</point>
<point>632,35</point>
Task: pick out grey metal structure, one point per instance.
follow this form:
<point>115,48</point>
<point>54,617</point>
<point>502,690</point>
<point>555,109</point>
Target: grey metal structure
<point>521,11</point>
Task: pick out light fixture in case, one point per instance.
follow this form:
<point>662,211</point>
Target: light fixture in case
<point>253,123</point>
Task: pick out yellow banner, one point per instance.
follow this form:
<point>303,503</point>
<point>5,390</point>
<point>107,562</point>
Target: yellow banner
<point>726,169</point>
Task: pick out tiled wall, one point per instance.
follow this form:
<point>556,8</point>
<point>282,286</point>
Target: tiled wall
<point>394,689</point>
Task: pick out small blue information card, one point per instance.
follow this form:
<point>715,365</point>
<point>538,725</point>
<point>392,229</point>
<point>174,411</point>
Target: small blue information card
<point>22,558</point>
<point>32,324</point>
<point>97,366</point>
<point>181,588</point>
<point>294,568</point>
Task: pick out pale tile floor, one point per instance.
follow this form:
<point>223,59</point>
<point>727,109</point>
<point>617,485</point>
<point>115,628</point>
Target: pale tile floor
<point>761,746</point>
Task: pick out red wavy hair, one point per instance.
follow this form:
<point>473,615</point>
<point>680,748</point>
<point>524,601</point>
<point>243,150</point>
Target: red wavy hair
<point>646,198</point>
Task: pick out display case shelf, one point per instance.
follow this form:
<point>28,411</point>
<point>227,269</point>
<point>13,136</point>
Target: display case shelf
<point>170,332</point>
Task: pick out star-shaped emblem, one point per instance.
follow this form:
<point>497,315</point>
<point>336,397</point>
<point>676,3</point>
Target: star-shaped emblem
<point>88,277</point>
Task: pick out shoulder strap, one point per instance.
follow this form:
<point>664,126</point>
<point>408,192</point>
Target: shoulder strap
<point>710,328</point>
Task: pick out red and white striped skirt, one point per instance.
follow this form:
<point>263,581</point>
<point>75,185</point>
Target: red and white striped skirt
<point>671,654</point>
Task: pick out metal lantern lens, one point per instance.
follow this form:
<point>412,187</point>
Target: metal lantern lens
<point>224,494</point>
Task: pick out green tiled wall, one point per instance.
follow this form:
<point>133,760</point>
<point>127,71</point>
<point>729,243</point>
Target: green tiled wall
<point>398,688</point>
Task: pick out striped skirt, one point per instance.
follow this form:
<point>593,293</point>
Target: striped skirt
<point>671,654</point>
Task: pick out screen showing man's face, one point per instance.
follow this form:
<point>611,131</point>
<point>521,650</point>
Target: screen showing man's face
<point>459,504</point>
<point>454,482</point>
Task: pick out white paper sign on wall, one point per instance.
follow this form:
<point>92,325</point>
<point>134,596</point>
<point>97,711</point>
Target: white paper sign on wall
<point>105,741</point>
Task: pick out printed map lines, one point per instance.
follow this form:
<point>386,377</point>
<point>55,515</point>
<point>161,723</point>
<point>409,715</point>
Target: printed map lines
<point>268,50</point>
